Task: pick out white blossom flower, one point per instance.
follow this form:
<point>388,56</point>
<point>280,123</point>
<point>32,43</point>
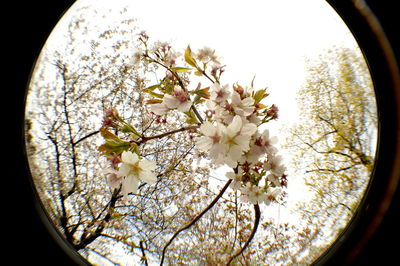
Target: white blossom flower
<point>236,138</point>
<point>260,144</point>
<point>178,100</point>
<point>272,195</point>
<point>253,194</point>
<point>206,55</point>
<point>134,169</point>
<point>274,165</point>
<point>243,107</point>
<point>159,108</point>
<point>236,179</point>
<point>274,179</point>
<point>212,140</point>
<point>219,94</point>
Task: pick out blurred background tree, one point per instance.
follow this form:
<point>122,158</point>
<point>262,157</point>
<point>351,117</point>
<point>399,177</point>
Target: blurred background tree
<point>333,145</point>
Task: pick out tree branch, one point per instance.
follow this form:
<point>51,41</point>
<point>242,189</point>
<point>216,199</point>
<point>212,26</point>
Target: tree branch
<point>253,232</point>
<point>195,219</point>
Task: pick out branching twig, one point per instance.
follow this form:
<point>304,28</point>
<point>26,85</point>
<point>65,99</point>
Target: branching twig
<point>253,232</point>
<point>195,219</point>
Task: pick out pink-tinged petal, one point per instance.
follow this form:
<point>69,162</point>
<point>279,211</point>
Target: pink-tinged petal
<point>171,102</point>
<point>159,108</point>
<point>208,129</point>
<point>235,126</point>
<point>185,106</point>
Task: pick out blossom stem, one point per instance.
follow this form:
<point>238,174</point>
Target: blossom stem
<point>145,139</point>
<point>195,219</point>
<point>253,232</point>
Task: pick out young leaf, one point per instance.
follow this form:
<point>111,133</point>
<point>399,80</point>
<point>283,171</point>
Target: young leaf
<point>188,57</point>
<point>191,118</point>
<point>154,94</point>
<point>154,101</point>
<point>180,69</point>
<point>153,87</point>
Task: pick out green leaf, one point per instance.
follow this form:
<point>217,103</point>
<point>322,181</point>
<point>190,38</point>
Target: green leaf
<point>191,118</point>
<point>180,69</point>
<point>154,101</point>
<point>153,94</point>
<point>107,134</point>
<point>259,95</point>
<point>188,57</point>
<point>153,87</point>
<point>204,93</point>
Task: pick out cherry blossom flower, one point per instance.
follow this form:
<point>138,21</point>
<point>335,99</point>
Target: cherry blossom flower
<point>206,54</point>
<point>212,140</point>
<point>134,170</point>
<point>274,165</point>
<point>236,138</point>
<point>178,100</point>
<point>236,179</point>
<point>253,194</point>
<point>260,144</point>
<point>219,94</point>
<point>272,195</point>
<point>243,107</point>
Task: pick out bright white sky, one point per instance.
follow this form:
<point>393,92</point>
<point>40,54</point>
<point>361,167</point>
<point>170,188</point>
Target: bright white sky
<point>268,39</point>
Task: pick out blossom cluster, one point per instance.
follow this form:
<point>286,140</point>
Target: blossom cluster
<point>232,136</point>
<point>231,130</point>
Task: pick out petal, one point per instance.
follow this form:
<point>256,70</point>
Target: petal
<point>147,165</point>
<point>208,129</point>
<point>248,129</point>
<point>184,106</point>
<point>171,102</point>
<point>248,101</point>
<point>148,177</point>
<point>204,143</point>
<point>130,184</point>
<point>235,98</point>
<point>124,170</point>
<point>235,126</point>
<point>129,157</point>
<point>159,109</point>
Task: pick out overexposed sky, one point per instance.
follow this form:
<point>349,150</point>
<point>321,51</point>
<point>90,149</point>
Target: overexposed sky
<point>268,39</point>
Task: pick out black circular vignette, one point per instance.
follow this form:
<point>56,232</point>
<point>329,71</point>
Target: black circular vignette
<point>28,238</point>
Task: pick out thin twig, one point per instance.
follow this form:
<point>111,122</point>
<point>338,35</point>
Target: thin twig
<point>195,219</point>
<point>253,232</point>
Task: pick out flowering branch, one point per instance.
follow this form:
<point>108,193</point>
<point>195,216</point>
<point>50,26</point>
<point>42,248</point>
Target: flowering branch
<point>230,134</point>
<point>145,139</point>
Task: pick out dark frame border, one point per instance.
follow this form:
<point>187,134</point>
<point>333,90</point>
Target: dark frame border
<point>33,236</point>
<point>368,236</point>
